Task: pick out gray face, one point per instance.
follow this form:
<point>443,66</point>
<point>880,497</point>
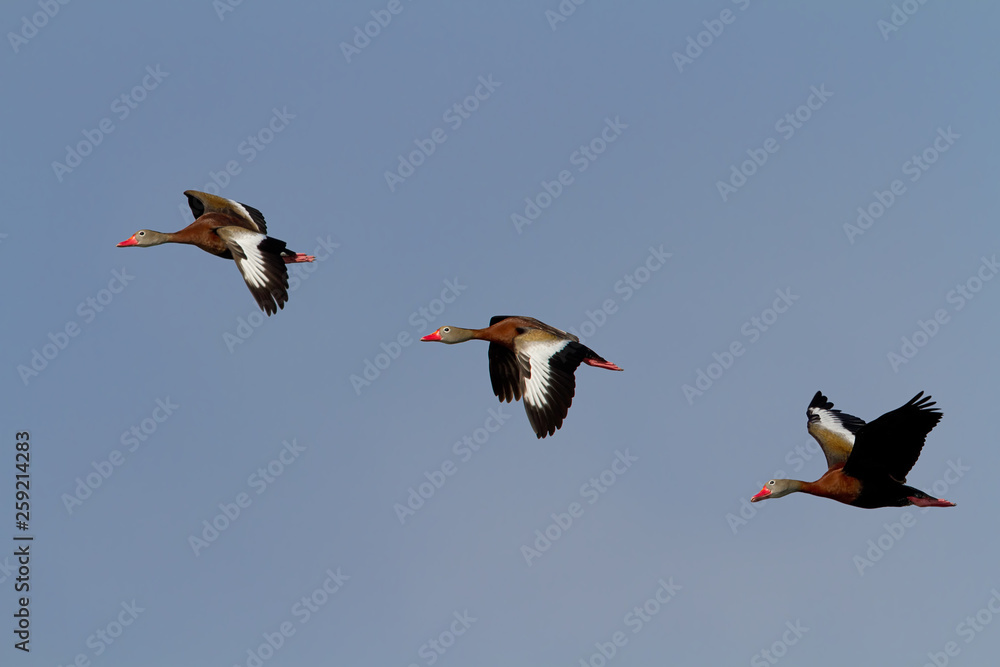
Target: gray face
<point>143,238</point>
<point>777,488</point>
<point>448,334</point>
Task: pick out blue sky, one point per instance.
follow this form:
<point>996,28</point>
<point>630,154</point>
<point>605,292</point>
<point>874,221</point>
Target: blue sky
<point>753,200</point>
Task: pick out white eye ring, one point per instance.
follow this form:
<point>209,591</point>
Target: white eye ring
<point>771,483</point>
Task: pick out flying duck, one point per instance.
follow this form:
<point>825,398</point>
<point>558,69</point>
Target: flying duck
<point>868,463</point>
<point>533,360</point>
<point>232,230</point>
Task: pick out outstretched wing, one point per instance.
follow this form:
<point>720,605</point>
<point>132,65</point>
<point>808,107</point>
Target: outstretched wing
<point>834,431</point>
<point>547,381</point>
<point>258,258</point>
<point>505,373</point>
<point>890,445</point>
<point>203,202</point>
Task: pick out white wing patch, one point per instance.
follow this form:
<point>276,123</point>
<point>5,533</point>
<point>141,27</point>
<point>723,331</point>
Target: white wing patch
<point>538,378</point>
<point>252,264</point>
<point>822,420</point>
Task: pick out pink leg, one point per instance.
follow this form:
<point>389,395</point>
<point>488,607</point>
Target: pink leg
<point>929,502</point>
<point>298,258</point>
<point>602,364</point>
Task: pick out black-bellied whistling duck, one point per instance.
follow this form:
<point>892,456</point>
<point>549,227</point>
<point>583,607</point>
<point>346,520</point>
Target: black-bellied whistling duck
<point>868,463</point>
<point>232,230</point>
<point>531,359</point>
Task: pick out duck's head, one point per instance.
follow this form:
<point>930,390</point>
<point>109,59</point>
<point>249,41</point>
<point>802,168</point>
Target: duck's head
<point>776,488</point>
<point>449,335</point>
<point>143,238</point>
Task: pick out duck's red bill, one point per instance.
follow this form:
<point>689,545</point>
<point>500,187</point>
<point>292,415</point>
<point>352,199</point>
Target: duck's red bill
<point>127,242</point>
<point>764,493</point>
<point>432,336</point>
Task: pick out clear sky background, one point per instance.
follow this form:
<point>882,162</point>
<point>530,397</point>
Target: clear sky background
<point>328,126</point>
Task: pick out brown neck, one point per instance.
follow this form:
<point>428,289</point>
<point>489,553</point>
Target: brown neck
<point>803,487</point>
<point>480,334</point>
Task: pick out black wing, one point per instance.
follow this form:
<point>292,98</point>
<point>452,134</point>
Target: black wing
<point>504,373</point>
<point>202,202</point>
<point>258,258</point>
<point>890,445</point>
<point>548,383</point>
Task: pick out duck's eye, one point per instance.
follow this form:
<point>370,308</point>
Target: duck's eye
<point>771,483</point>
<point>142,233</point>
<point>445,329</point>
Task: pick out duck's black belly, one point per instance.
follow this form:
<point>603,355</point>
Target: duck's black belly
<point>884,495</point>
